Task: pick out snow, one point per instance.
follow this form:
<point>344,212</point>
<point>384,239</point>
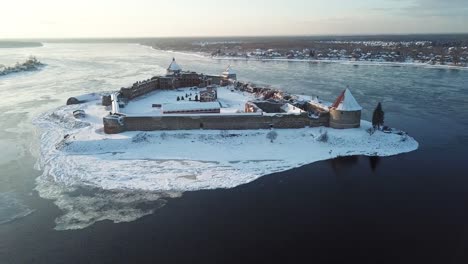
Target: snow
<point>191,106</point>
<point>174,66</point>
<point>349,103</point>
<point>347,62</point>
<point>291,109</point>
<point>231,101</point>
<point>178,161</point>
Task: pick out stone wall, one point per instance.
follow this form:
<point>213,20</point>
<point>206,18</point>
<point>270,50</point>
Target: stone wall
<point>114,124</point>
<point>185,79</point>
<point>345,119</point>
<point>215,79</point>
<point>225,122</point>
<point>106,100</point>
<point>189,79</point>
<point>140,88</point>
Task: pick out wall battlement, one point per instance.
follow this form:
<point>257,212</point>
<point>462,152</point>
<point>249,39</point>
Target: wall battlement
<point>116,124</point>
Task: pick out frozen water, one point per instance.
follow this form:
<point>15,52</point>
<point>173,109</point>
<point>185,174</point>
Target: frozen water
<point>76,69</point>
<point>12,208</point>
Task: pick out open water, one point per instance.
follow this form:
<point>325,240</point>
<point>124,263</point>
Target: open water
<point>410,208</point>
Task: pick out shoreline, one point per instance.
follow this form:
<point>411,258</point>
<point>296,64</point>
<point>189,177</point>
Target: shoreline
<point>19,44</point>
<point>314,61</point>
<point>69,146</point>
<point>349,62</point>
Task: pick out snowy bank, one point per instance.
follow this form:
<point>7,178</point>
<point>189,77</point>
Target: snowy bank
<point>76,151</point>
<point>349,62</point>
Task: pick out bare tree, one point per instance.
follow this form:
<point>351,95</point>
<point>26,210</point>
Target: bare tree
<point>323,137</point>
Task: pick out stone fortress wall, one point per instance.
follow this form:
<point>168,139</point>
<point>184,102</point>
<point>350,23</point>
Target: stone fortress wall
<point>113,125</point>
<point>259,114</point>
<point>117,123</point>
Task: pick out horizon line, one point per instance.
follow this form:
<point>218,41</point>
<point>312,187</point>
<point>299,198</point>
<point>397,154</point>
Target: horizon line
<point>236,36</point>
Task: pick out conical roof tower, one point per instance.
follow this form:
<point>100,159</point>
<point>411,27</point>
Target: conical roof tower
<point>346,102</point>
<point>174,67</point>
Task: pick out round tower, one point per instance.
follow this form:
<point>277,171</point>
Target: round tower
<point>345,111</point>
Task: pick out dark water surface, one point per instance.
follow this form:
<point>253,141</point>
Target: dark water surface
<point>411,208</point>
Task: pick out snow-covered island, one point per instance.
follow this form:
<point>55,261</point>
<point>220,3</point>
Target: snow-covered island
<point>31,64</point>
<point>201,136</point>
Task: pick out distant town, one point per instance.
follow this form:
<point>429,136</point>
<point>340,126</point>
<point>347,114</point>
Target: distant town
<point>432,49</point>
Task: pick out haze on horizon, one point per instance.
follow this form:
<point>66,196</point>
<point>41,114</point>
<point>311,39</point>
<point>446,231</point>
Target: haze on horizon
<point>149,18</point>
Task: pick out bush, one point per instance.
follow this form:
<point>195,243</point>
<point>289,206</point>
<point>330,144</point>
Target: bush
<point>140,137</point>
<point>163,135</point>
<point>272,135</point>
<point>404,138</point>
<point>224,133</point>
<point>323,136</point>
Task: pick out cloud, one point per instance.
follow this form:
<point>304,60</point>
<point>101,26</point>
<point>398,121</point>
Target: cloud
<point>431,8</point>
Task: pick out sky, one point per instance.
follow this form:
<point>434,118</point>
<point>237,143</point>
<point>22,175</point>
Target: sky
<point>156,18</point>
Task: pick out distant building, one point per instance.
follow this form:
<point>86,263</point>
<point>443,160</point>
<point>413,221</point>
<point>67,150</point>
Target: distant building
<point>210,94</point>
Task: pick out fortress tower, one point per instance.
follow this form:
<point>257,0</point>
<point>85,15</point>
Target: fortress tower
<point>345,111</point>
<point>174,68</point>
<point>229,73</point>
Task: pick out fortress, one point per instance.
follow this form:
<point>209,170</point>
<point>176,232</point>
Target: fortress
<point>185,100</point>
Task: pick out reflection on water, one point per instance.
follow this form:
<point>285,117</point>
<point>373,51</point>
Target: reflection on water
<point>343,164</point>
<point>374,162</point>
<point>340,164</point>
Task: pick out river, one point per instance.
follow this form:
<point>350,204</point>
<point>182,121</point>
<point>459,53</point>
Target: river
<point>410,208</point>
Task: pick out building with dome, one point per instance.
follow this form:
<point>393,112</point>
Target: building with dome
<point>174,68</point>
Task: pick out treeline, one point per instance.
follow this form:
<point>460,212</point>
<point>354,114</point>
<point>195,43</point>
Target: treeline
<point>31,64</point>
